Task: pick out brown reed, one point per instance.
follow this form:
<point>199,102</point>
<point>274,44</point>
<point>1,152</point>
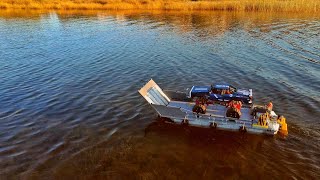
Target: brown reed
<point>180,5</point>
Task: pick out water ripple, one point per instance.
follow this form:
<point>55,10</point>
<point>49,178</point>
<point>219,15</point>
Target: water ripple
<point>69,85</point>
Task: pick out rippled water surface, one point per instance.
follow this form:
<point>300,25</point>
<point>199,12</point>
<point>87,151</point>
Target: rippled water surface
<point>69,106</point>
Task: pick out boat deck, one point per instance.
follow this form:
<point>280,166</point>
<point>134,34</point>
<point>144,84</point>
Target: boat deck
<point>215,110</point>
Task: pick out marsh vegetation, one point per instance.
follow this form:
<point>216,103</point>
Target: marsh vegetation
<point>181,5</point>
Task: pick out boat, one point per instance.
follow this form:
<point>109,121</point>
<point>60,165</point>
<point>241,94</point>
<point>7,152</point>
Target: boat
<point>197,108</point>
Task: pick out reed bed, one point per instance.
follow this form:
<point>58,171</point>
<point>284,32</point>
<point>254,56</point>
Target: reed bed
<point>181,5</point>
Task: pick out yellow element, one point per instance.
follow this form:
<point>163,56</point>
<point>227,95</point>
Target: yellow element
<point>263,119</point>
<point>259,126</point>
<point>283,125</point>
<point>181,5</point>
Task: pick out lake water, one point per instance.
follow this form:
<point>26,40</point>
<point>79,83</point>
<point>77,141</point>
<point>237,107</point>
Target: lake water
<point>69,106</point>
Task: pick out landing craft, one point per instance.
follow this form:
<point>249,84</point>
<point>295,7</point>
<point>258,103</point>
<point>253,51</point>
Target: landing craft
<point>236,112</point>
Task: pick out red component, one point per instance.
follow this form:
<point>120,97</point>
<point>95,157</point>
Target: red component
<point>270,106</point>
<point>235,104</point>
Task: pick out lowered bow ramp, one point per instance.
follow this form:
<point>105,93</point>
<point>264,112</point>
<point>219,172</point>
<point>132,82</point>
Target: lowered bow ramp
<point>154,94</point>
<point>160,101</point>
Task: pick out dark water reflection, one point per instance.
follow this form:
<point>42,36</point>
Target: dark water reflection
<point>70,108</point>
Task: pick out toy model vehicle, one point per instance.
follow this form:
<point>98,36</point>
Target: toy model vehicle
<point>233,116</point>
<point>222,92</point>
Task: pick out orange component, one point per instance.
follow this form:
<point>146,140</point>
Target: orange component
<point>270,106</point>
<point>235,104</point>
<point>230,104</point>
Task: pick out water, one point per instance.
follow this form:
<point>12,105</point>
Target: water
<point>70,107</point>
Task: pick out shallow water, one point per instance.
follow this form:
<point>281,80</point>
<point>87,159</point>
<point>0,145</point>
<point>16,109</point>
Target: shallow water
<point>70,108</point>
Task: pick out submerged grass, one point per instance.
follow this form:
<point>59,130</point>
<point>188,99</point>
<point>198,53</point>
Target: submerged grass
<point>181,5</point>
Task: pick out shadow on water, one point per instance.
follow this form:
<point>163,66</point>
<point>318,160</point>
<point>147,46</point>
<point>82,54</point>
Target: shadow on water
<point>170,151</point>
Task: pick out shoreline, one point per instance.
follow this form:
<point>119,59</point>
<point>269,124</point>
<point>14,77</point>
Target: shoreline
<point>178,5</point>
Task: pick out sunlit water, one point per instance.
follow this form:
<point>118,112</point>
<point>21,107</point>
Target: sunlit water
<point>69,106</point>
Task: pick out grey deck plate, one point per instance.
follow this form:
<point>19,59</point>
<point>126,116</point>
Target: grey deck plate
<point>212,109</point>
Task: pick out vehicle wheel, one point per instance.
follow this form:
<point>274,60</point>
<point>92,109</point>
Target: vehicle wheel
<point>198,108</point>
<point>236,115</point>
<point>231,112</point>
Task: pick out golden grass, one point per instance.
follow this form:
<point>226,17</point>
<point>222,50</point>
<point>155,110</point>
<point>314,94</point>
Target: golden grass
<point>181,5</point>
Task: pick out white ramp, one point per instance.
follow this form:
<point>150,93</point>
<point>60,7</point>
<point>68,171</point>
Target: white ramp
<point>154,94</point>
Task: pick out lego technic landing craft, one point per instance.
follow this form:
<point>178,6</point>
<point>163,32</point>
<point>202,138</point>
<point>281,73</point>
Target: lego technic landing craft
<point>220,106</point>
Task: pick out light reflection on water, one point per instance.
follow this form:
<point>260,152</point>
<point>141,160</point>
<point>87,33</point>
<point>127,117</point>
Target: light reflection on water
<point>70,108</point>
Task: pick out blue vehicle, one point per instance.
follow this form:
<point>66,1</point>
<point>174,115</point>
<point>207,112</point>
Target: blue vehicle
<point>222,92</point>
